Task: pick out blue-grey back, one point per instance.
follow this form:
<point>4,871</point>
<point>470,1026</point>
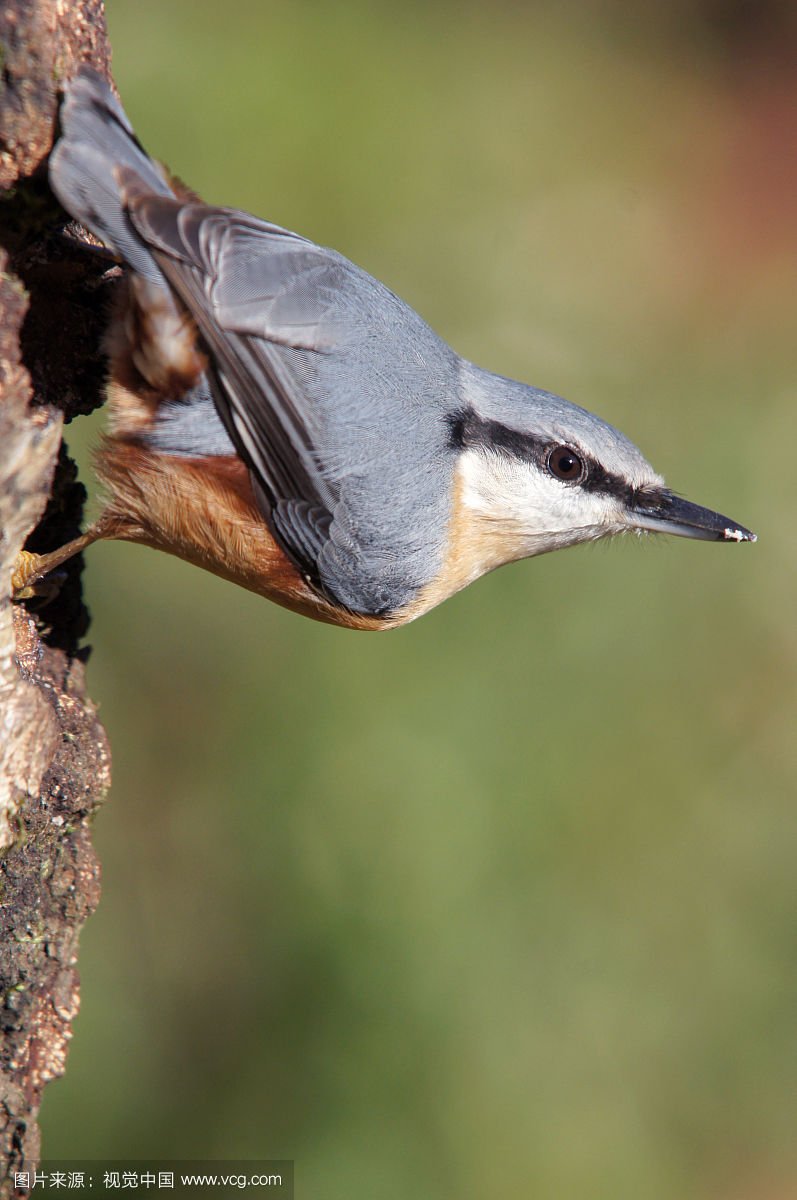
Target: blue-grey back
<point>381,399</point>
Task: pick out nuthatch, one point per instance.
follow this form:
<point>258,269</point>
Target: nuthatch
<point>284,420</point>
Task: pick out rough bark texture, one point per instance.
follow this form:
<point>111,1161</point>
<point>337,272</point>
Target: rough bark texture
<point>54,760</point>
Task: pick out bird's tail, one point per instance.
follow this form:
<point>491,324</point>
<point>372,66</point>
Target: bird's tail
<point>97,139</point>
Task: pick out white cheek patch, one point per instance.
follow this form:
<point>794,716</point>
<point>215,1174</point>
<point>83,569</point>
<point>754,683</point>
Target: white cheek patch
<point>542,512</point>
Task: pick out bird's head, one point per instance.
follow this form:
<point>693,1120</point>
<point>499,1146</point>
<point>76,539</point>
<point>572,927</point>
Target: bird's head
<point>536,473</point>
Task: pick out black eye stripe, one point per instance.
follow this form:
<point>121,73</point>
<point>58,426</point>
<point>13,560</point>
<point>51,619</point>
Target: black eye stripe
<point>467,430</point>
<point>471,432</point>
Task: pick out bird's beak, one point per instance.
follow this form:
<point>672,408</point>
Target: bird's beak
<point>665,513</point>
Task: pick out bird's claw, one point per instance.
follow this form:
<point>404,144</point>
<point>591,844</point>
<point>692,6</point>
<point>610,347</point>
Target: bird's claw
<point>30,580</point>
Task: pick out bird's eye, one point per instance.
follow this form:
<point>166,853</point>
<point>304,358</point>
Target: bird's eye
<point>565,464</point>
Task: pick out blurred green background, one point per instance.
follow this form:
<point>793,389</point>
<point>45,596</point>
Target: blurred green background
<point>501,904</point>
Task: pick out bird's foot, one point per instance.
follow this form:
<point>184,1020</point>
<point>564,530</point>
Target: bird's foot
<point>32,578</point>
<point>38,574</point>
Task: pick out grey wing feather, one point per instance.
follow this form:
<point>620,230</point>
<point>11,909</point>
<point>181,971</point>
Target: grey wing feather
<point>277,312</point>
<point>259,402</point>
<point>275,285</point>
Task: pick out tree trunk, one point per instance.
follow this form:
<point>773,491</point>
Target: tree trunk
<point>54,759</point>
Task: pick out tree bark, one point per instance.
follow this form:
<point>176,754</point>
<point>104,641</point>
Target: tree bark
<point>54,758</point>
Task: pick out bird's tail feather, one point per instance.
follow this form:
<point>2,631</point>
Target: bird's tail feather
<point>96,139</point>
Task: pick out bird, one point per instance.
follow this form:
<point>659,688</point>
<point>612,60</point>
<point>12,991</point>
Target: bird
<point>284,420</point>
